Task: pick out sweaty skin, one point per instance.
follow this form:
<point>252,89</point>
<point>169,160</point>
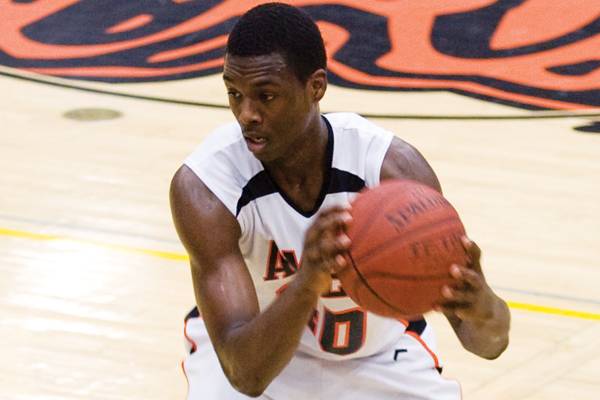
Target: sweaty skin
<point>280,119</point>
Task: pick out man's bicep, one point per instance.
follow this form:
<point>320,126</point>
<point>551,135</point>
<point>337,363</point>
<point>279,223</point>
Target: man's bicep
<point>225,296</point>
<point>210,233</point>
<point>403,161</point>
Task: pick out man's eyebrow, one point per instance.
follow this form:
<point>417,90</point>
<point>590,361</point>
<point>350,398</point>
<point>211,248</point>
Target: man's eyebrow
<point>267,81</point>
<point>258,82</point>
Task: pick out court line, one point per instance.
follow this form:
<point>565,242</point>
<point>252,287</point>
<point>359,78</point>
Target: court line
<point>174,256</point>
<point>169,255</point>
<point>79,228</point>
<point>542,294</point>
<point>537,115</point>
<point>553,311</point>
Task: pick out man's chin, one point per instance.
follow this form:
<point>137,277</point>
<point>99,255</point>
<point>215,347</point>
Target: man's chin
<point>257,148</point>
<point>261,154</point>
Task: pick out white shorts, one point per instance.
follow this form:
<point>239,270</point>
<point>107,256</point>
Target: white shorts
<point>404,372</point>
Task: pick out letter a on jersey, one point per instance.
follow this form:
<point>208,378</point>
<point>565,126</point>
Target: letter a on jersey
<point>281,263</point>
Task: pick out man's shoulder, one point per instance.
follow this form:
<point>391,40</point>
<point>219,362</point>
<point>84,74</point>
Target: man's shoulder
<point>352,122</point>
<point>224,165</point>
<point>224,145</point>
<point>356,130</point>
<point>223,137</point>
<point>345,119</point>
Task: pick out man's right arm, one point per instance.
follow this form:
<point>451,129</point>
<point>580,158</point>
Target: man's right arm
<point>250,354</point>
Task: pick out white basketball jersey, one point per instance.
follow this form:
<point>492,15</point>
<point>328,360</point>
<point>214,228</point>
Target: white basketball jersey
<point>273,227</point>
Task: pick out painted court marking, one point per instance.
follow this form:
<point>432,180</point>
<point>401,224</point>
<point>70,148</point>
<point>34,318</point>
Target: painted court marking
<point>174,256</point>
<point>129,249</point>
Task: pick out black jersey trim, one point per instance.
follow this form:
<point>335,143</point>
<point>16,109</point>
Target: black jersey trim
<point>344,181</point>
<point>194,313</point>
<point>326,178</point>
<point>334,181</point>
<point>417,326</point>
<point>260,185</point>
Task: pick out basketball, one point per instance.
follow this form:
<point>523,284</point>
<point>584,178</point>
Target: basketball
<point>405,236</point>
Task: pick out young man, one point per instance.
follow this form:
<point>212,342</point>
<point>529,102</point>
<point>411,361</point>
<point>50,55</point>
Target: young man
<point>261,208</point>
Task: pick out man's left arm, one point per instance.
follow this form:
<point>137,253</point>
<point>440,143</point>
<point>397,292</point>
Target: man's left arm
<point>480,318</point>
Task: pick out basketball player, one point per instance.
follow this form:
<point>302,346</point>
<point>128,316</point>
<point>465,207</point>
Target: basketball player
<point>261,207</point>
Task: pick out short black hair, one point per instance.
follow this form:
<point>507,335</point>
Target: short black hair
<point>280,28</point>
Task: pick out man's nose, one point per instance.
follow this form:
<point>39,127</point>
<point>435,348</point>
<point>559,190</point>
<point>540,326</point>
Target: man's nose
<point>249,113</point>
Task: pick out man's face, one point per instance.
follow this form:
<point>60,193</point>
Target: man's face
<point>269,102</point>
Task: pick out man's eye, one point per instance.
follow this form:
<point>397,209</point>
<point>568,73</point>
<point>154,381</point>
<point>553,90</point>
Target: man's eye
<point>235,95</point>
<point>267,96</point>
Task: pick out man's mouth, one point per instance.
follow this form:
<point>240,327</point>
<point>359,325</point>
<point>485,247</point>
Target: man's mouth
<point>255,143</point>
<point>255,140</point>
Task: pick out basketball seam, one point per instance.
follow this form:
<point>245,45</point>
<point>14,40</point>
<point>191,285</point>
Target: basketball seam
<point>366,284</point>
<point>408,277</point>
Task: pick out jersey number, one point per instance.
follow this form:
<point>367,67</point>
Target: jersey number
<point>343,332</point>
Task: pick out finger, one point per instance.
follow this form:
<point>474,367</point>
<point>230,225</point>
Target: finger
<point>328,245</point>
<point>465,278</point>
<point>472,279</point>
<point>333,222</point>
<point>457,312</point>
<point>457,272</point>
<point>460,313</point>
<point>335,209</point>
<point>455,298</point>
<point>341,262</point>
<point>332,216</point>
<point>337,264</point>
<point>332,245</point>
<point>328,260</point>
<point>312,255</point>
<point>473,252</point>
<point>334,239</point>
<point>453,306</point>
<point>330,222</point>
<point>318,259</point>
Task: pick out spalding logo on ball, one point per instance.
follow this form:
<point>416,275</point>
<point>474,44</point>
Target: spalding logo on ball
<point>405,236</point>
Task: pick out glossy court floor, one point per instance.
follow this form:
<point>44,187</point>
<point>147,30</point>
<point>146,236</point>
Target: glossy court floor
<point>94,284</point>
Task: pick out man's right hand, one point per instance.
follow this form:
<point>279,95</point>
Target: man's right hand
<point>325,246</point>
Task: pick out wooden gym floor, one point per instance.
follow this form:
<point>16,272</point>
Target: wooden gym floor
<point>94,284</point>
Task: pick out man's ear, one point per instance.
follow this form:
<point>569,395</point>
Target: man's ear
<point>317,84</point>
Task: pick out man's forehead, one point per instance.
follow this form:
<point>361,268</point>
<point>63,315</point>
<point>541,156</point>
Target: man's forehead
<point>273,64</point>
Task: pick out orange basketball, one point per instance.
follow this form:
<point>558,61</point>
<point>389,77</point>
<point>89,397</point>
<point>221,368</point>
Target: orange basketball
<point>405,236</point>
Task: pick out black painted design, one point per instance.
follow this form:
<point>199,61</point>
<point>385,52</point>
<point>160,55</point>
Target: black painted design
<point>70,32</point>
<point>594,127</point>
<point>578,69</point>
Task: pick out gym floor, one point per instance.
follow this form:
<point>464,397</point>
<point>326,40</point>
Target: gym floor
<point>94,284</point>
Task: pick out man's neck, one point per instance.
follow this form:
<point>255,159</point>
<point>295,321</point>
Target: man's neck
<point>301,174</point>
<point>306,157</point>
